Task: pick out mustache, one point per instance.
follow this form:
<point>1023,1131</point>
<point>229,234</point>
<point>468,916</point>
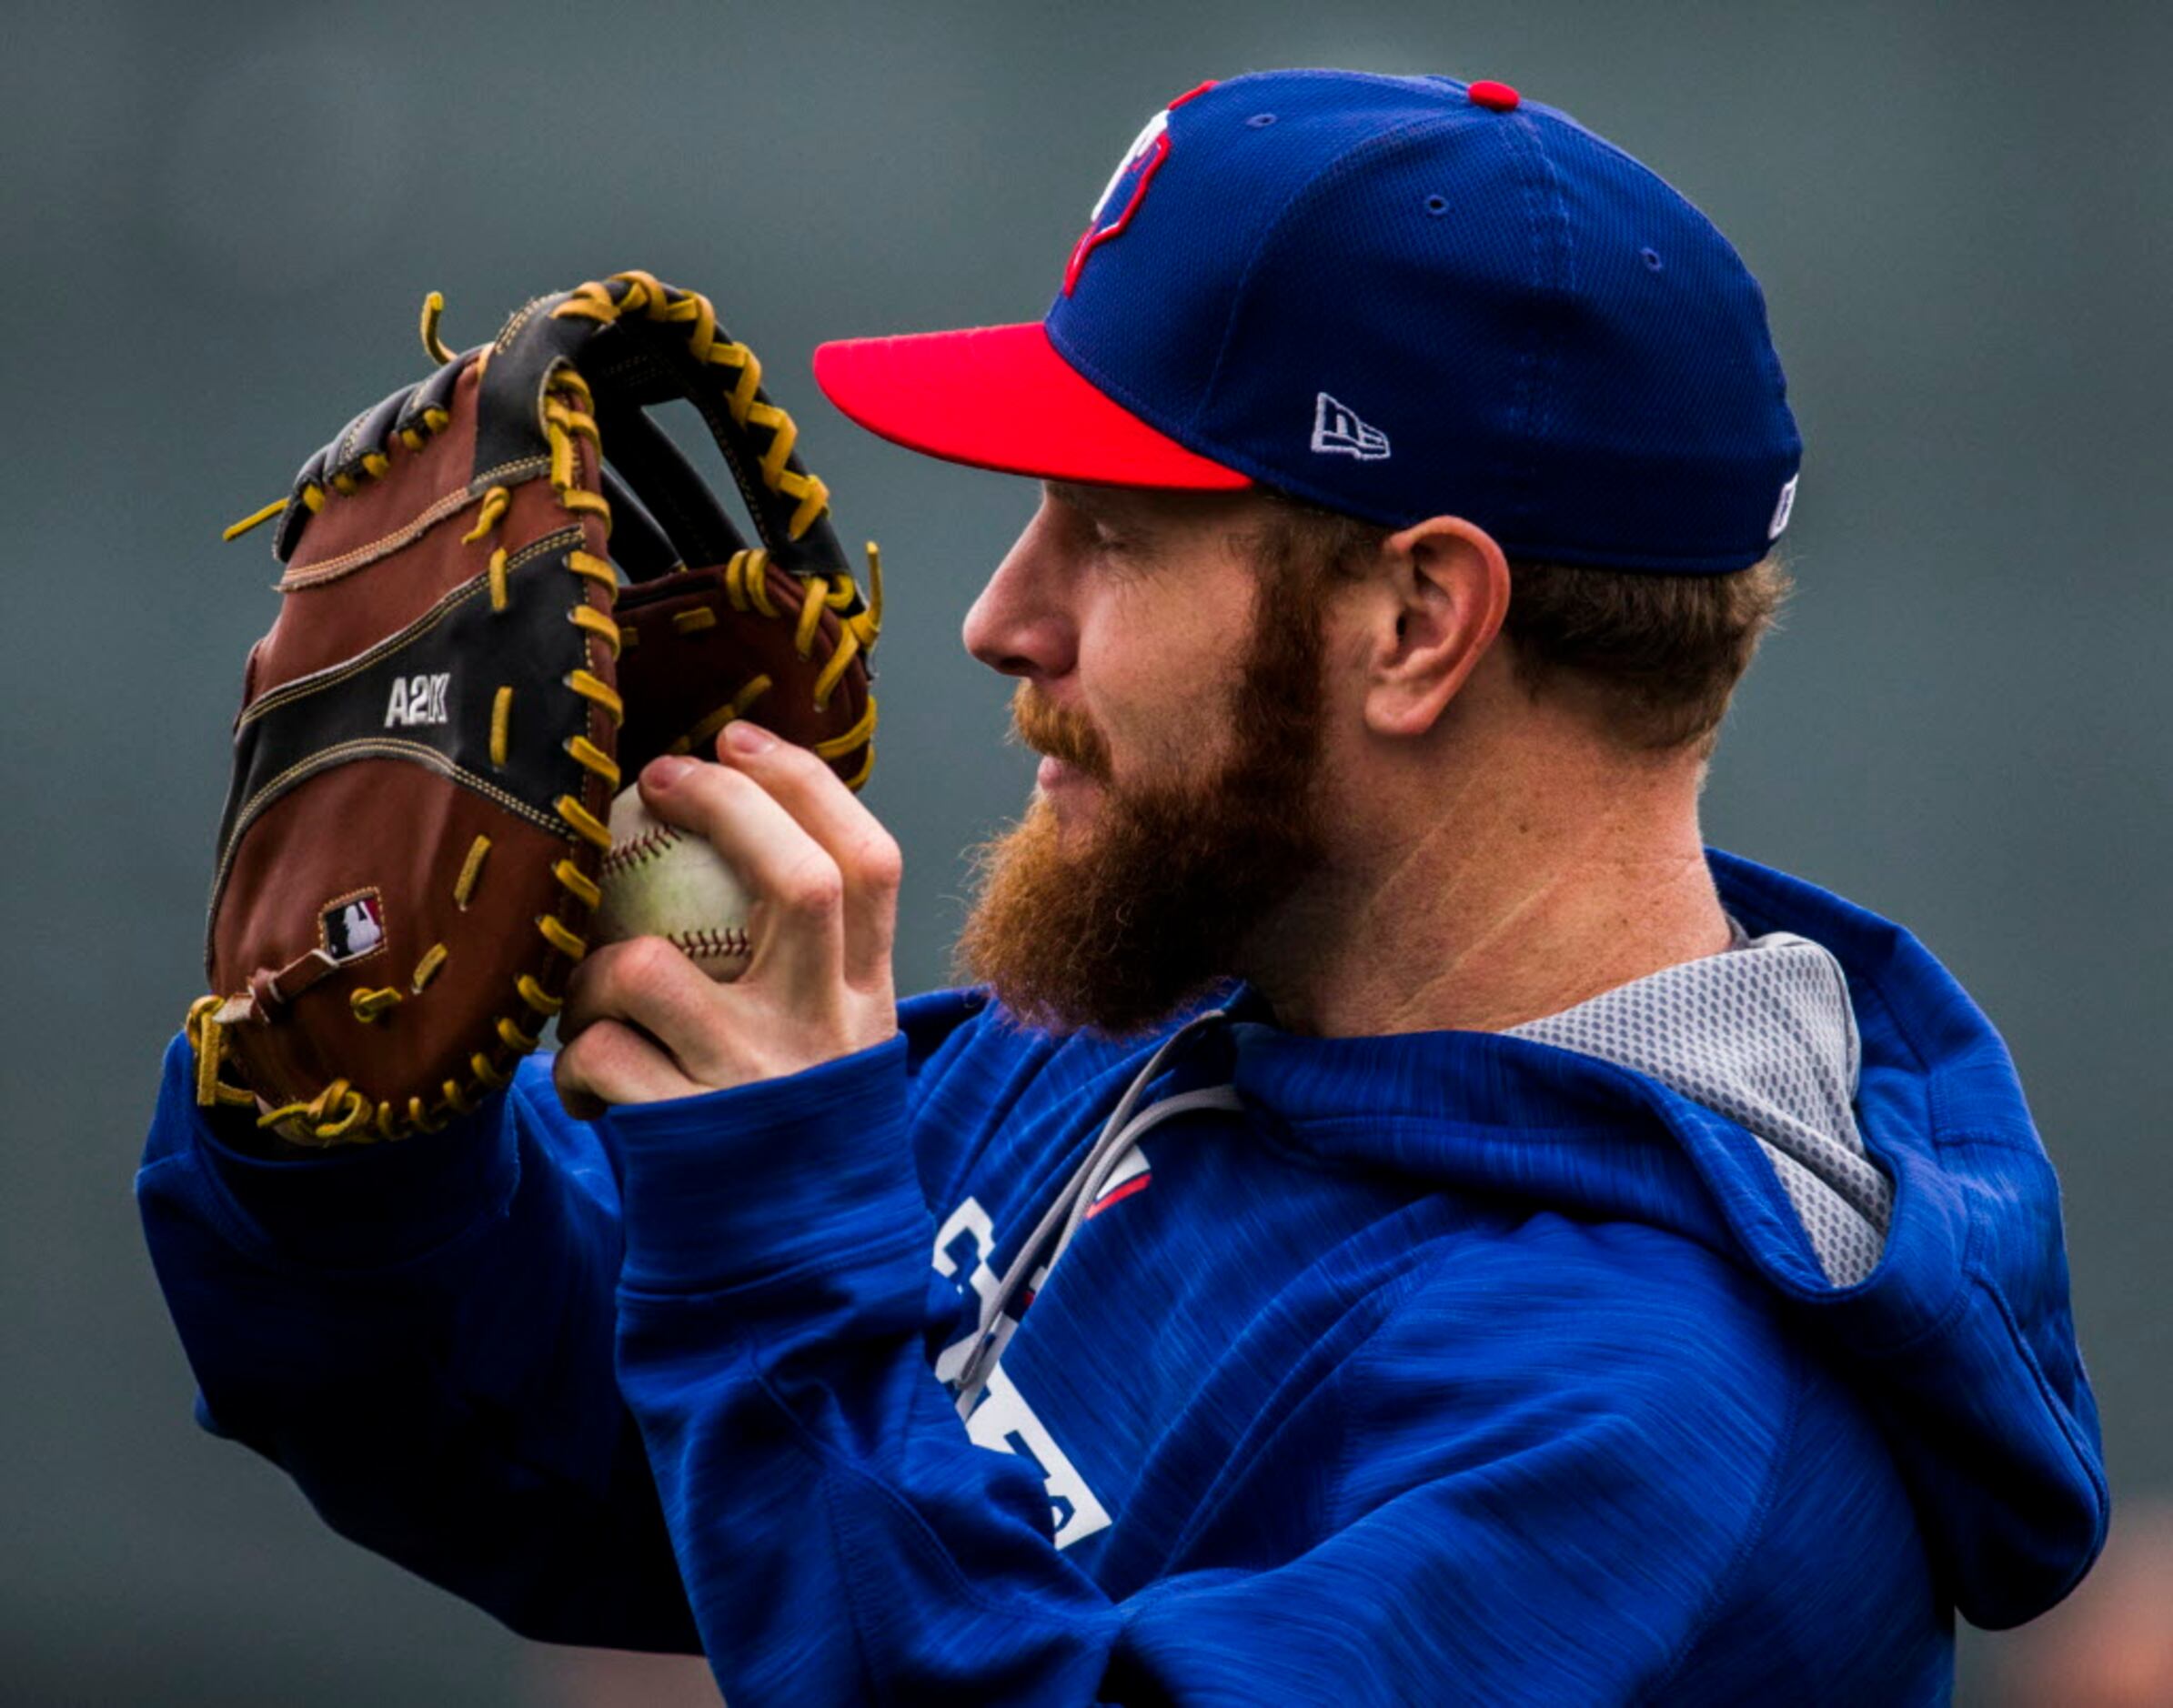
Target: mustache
<point>1069,737</point>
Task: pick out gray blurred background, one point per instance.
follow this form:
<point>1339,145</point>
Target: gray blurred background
<point>219,222</point>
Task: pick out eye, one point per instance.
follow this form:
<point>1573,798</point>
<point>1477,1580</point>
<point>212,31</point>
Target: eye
<point>1113,546</point>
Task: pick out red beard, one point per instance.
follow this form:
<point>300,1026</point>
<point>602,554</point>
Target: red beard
<point>1152,903</point>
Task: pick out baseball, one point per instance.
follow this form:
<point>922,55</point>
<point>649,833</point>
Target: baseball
<point>660,881</point>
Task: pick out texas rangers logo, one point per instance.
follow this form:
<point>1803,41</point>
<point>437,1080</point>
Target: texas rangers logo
<point>1127,187</point>
<point>997,1414</point>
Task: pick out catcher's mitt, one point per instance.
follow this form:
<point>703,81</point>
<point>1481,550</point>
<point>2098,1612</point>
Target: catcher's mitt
<point>432,731</point>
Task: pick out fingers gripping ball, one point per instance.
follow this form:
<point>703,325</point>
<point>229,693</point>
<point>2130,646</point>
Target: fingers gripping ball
<point>661,881</point>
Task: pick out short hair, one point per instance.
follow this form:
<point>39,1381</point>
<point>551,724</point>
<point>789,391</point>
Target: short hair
<point>1655,656</point>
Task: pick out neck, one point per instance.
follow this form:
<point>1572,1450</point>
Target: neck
<point>1523,887</point>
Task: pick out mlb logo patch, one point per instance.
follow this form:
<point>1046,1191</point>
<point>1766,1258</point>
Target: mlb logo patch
<point>352,927</point>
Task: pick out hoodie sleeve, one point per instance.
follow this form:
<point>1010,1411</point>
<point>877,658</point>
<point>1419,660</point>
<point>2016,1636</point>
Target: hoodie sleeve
<point>421,1335</point>
<point>1503,1515</point>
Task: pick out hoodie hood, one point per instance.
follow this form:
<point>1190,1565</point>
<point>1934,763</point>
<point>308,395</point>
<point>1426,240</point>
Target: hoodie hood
<point>1827,1108</point>
<point>1765,1035</point>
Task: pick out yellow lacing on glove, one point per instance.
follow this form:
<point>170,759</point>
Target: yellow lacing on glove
<point>838,746</point>
<point>567,418</point>
<point>747,581</point>
<point>583,503</point>
<point>206,1037</point>
<point>571,423</point>
<point>368,1004</point>
<point>584,888</point>
<point>434,346</point>
<point>586,824</point>
<point>497,501</point>
<point>597,569</point>
<point>856,632</point>
<point>587,617</point>
<point>235,530</point>
<point>339,1113</point>
<point>554,932</point>
<point>333,1114</point>
<point>591,757</point>
<point>747,588</point>
<point>375,462</point>
<point>858,780</point>
<point>644,295</point>
<point>471,872</point>
<point>700,734</point>
<point>427,968</point>
<point>594,687</point>
<point>537,997</point>
<point>745,576</point>
<point>501,724</point>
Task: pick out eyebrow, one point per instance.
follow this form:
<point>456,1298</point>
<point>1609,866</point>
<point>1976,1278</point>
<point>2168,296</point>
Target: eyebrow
<point>1129,508</point>
<point>1079,496</point>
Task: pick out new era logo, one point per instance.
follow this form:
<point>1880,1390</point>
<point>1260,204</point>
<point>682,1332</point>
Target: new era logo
<point>1782,509</point>
<point>1338,432</point>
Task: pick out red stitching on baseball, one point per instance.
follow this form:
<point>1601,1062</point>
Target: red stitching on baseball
<point>647,846</point>
<point>727,943</point>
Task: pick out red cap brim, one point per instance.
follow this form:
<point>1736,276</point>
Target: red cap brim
<point>1002,397</point>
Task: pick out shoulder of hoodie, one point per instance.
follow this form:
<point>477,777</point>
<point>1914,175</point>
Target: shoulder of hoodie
<point>1635,1373</point>
<point>1634,1422</point>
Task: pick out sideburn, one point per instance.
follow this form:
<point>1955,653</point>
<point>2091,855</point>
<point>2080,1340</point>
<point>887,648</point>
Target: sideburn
<point>1155,904</point>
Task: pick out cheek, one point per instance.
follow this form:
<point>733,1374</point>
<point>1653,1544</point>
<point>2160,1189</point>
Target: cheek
<point>1160,693</point>
<point>1342,682</point>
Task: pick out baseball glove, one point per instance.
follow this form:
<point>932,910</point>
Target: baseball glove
<point>505,590</point>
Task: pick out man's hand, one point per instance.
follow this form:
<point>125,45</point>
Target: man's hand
<point>641,1024</point>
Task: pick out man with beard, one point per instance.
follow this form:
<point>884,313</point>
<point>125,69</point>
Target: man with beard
<point>1392,1218</point>
<point>1113,921</point>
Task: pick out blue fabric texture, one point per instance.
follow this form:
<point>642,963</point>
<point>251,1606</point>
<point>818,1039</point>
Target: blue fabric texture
<point>1454,1368</point>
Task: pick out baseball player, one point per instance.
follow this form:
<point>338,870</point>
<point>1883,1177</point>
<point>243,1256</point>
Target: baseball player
<point>1391,1218</point>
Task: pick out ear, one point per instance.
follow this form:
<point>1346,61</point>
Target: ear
<point>1430,611</point>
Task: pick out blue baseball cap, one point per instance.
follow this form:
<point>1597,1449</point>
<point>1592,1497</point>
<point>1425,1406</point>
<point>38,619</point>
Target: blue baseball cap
<point>1395,297</point>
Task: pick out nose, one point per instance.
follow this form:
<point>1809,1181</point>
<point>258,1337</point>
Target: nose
<point>1021,624</point>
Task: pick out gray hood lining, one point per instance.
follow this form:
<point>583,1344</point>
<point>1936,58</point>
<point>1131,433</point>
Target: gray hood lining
<point>1763,1034</point>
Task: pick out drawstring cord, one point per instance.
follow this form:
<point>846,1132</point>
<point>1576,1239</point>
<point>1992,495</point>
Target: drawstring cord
<point>1118,1135</point>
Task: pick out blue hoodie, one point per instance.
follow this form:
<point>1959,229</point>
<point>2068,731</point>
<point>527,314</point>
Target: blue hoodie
<point>1571,1366</point>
